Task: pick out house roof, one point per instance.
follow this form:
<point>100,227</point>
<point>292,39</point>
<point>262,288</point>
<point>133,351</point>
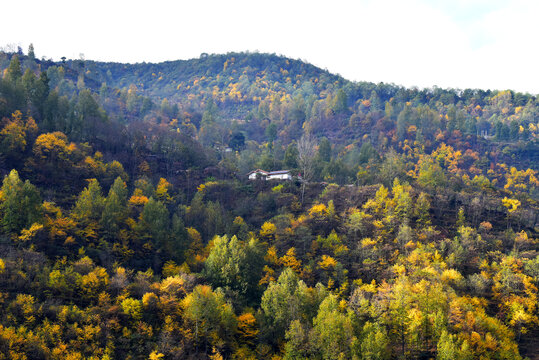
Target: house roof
<point>258,171</point>
<point>278,172</point>
<point>264,172</point>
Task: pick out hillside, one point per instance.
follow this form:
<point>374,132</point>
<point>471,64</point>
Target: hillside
<point>245,86</point>
<point>129,230</point>
<point>269,75</point>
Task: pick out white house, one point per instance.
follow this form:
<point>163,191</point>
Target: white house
<point>270,175</point>
<point>258,174</point>
<point>279,175</point>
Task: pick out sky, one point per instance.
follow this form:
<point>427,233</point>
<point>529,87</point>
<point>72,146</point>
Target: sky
<point>488,44</point>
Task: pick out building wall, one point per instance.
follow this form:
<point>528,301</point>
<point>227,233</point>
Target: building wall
<point>255,176</point>
<point>280,177</point>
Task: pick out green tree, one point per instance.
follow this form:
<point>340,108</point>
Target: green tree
<point>297,342</point>
<point>31,53</point>
<point>211,113</point>
<point>177,244</point>
<point>291,156</point>
<point>271,133</point>
<point>286,300</point>
<point>40,94</point>
<point>392,167</point>
<point>236,265</point>
<point>398,314</point>
<point>367,152</point>
<point>402,201</point>
<point>430,174</point>
<point>20,203</point>
<point>212,318</point>
<point>87,116</point>
<point>333,331</point>
<point>115,207</point>
<point>324,150</point>
<point>375,343</point>
<point>213,219</point>
<point>89,205</point>
<point>404,120</point>
<point>155,221</point>
<point>421,209</point>
<point>451,118</point>
<point>14,71</point>
<point>341,102</point>
<point>237,141</point>
<point>447,347</point>
<point>28,82</point>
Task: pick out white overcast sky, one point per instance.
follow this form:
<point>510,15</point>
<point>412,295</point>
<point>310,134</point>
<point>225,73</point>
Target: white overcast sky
<point>489,44</point>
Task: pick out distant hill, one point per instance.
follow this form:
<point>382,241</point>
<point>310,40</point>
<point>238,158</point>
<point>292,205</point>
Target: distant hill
<point>287,92</point>
<point>255,72</point>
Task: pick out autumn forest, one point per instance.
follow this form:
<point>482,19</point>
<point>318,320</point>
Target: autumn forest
<point>129,228</point>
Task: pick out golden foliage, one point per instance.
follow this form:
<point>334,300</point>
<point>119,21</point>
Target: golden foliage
<point>268,229</point>
<point>327,262</point>
<point>138,198</point>
<point>290,260</point>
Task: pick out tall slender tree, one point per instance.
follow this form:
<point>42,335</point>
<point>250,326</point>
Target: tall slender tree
<point>306,155</point>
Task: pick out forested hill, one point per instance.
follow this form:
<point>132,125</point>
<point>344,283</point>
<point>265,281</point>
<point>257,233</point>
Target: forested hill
<point>252,74</point>
<point>271,94</point>
<point>129,229</point>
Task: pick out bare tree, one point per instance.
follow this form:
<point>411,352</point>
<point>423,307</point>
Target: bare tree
<point>306,154</point>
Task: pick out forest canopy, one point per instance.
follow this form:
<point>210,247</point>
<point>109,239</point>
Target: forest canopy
<point>129,228</point>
